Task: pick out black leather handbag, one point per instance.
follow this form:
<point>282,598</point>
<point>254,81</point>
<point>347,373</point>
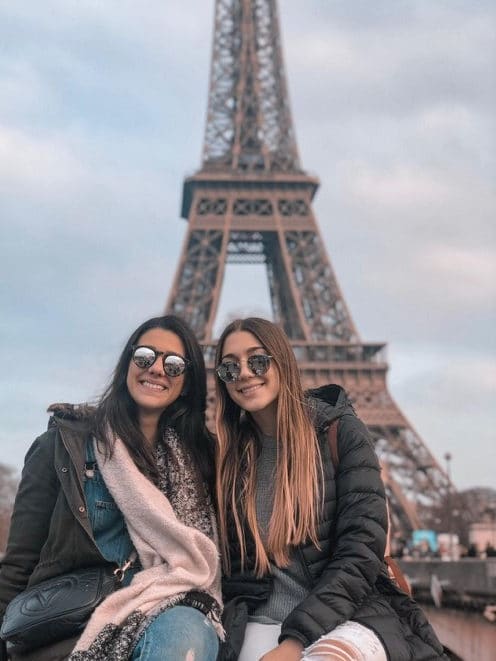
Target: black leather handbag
<point>57,608</point>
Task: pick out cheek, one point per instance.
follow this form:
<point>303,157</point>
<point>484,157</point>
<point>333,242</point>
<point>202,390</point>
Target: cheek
<point>231,391</point>
<point>177,386</point>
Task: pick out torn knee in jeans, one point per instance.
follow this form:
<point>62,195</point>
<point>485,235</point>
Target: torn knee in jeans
<point>332,650</point>
<point>190,655</point>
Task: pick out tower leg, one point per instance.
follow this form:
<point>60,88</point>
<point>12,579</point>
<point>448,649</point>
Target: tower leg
<point>196,290</point>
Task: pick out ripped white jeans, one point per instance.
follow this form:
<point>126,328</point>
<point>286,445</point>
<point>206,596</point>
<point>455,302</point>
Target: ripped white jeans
<point>362,643</point>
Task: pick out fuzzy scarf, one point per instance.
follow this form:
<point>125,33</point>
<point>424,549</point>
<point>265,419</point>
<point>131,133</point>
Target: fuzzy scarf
<point>174,533</point>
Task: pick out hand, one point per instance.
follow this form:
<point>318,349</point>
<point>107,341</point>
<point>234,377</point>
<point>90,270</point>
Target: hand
<point>289,650</point>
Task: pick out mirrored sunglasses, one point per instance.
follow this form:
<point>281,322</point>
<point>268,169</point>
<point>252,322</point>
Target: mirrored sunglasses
<point>230,370</point>
<point>144,357</point>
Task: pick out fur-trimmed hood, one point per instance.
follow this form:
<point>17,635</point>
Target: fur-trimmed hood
<point>328,403</point>
<point>70,415</point>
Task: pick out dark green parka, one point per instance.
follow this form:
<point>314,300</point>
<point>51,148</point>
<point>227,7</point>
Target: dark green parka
<point>50,533</point>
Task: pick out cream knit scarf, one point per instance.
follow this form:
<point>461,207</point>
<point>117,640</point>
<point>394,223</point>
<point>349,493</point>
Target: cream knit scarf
<point>176,540</point>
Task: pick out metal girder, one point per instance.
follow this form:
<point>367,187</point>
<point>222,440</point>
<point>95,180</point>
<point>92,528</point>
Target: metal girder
<point>410,460</point>
<point>324,306</point>
<point>252,203</point>
<point>194,293</point>
<point>249,125</point>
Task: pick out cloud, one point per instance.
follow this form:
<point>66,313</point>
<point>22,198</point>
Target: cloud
<point>43,165</point>
<point>469,274</point>
<point>395,74</point>
<point>21,88</point>
<point>102,110</point>
<point>390,190</point>
<point>449,397</point>
<point>438,221</point>
<point>431,200</point>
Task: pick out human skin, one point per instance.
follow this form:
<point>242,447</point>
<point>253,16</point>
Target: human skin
<point>150,387</point>
<point>253,393</point>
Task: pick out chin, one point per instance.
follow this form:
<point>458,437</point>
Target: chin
<point>152,406</point>
<point>254,408</point>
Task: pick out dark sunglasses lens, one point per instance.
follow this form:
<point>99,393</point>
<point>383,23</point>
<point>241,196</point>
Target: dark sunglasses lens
<point>229,371</point>
<point>258,364</point>
<point>144,357</point>
<point>174,365</point>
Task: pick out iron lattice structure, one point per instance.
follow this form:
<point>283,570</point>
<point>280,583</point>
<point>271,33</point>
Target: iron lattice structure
<point>251,202</point>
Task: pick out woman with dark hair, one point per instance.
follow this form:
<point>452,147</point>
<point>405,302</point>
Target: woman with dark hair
<point>127,484</point>
<point>302,533</point>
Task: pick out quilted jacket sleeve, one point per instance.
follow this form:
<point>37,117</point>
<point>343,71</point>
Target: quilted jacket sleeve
<point>30,519</point>
<point>360,539</point>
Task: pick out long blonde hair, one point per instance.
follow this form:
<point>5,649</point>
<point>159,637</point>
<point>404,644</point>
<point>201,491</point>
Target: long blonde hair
<point>298,483</point>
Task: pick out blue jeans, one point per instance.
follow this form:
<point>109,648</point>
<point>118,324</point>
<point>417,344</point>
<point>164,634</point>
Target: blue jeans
<point>181,633</point>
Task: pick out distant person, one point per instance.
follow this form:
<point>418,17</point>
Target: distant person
<point>424,548</point>
<point>128,481</point>
<point>472,551</point>
<point>399,547</point>
<point>490,550</point>
<point>303,545</point>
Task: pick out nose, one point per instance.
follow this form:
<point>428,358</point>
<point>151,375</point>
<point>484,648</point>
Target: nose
<point>244,372</point>
<point>157,367</point>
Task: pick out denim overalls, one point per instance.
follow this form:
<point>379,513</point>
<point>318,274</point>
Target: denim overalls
<point>178,633</point>
<point>107,522</point>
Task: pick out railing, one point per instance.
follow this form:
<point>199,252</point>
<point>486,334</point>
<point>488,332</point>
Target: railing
<point>466,584</point>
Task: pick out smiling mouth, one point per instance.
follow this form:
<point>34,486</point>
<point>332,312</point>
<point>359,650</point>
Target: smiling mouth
<point>157,387</point>
<point>247,390</point>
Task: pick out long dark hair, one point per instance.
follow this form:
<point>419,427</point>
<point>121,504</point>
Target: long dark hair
<point>117,410</point>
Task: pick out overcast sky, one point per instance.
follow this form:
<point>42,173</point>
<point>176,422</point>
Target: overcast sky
<point>102,112</point>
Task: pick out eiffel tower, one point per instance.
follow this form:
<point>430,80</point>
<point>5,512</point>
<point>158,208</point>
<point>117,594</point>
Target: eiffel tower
<point>251,202</point>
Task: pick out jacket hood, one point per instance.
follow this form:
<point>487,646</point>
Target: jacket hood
<point>70,414</point>
<point>328,403</point>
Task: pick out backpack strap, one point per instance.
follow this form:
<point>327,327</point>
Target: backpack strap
<point>396,574</point>
<point>332,435</point>
<point>394,570</point>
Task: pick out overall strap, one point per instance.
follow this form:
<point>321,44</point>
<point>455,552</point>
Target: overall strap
<point>90,465</point>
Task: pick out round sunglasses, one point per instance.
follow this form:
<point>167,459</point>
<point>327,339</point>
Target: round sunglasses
<point>144,357</point>
<point>230,370</point>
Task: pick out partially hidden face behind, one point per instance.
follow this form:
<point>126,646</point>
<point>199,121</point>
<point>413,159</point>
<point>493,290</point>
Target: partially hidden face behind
<point>255,393</point>
<point>150,387</point>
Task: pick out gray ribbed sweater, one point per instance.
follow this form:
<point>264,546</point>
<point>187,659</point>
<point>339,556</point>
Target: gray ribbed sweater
<point>290,585</point>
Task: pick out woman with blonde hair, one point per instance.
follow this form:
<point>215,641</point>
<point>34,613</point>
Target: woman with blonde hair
<point>302,541</point>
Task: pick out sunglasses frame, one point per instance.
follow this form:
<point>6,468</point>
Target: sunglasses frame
<point>238,363</point>
<point>164,354</point>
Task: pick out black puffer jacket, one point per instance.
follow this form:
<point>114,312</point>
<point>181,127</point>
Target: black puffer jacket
<point>347,575</point>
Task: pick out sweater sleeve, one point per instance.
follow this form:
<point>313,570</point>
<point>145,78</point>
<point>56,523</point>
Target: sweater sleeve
<point>31,517</point>
<point>360,539</point>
